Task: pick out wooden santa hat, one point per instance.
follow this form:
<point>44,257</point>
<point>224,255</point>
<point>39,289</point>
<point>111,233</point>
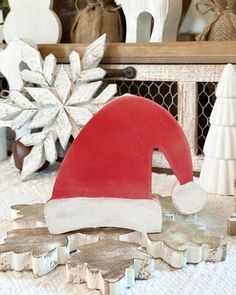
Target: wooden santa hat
<point>105,178</point>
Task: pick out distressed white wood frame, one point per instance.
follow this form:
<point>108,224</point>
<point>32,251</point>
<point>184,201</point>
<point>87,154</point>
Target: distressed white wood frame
<point>187,78</point>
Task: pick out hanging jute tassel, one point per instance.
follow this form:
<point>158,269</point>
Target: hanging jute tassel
<point>99,17</point>
<point>223,24</point>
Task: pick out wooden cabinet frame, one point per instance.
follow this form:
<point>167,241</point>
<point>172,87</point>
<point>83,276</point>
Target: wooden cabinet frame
<point>186,63</point>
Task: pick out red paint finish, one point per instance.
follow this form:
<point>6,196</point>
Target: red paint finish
<point>112,155</point>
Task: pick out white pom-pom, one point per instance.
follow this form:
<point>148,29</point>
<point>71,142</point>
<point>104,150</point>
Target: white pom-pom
<point>188,198</point>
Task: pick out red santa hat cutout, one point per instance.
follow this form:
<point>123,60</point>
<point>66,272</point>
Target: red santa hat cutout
<point>105,178</point>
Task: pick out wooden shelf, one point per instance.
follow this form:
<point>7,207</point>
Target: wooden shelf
<point>213,52</point>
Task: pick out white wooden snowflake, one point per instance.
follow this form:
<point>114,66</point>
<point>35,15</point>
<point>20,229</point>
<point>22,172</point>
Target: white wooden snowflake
<point>56,101</point>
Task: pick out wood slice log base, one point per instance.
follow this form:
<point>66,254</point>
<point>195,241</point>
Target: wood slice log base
<point>33,249</point>
<point>108,259</point>
<point>109,266</point>
<point>37,250</point>
<point>27,216</point>
<point>181,243</point>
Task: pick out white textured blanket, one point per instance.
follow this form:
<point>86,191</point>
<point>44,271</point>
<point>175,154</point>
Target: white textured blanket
<point>205,278</point>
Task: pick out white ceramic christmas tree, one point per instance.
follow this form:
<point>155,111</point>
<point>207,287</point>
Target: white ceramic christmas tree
<point>219,167</point>
<point>33,21</point>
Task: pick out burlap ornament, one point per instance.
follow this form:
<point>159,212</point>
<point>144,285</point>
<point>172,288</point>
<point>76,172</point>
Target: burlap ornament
<point>223,24</point>
<point>99,17</point>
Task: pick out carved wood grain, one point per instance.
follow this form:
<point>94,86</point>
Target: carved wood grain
<point>181,243</point>
<point>188,112</point>
<point>109,266</point>
<point>210,52</point>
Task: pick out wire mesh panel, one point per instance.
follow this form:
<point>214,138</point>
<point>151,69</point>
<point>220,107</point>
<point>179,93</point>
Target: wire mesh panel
<point>166,94</point>
<point>206,92</point>
<point>163,93</point>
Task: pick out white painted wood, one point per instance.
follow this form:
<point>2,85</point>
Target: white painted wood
<point>219,167</point>
<point>139,215</point>
<point>32,20</point>
<point>22,119</point>
<point>105,96</point>
<point>111,274</point>
<point>188,112</point>
<point>37,250</point>
<point>94,53</point>
<point>92,75</point>
<point>63,128</point>
<point>62,100</point>
<point>28,255</point>
<point>188,198</point>
<point>33,161</point>
<point>173,72</point>
<point>33,138</point>
<point>19,100</point>
<point>49,68</point>
<point>50,149</point>
<point>84,92</point>
<point>62,84</point>
<point>75,63</point>
<point>8,110</point>
<point>43,96</point>
<point>33,77</point>
<point>1,26</point>
<point>3,144</point>
<point>10,59</point>
<point>144,27</point>
<point>139,13</point>
<point>171,25</point>
<point>80,115</point>
<point>44,118</point>
<point>195,20</point>
<point>179,244</point>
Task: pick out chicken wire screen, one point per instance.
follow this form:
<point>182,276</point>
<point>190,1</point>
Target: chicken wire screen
<point>166,94</point>
<point>206,100</point>
<point>163,93</point>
